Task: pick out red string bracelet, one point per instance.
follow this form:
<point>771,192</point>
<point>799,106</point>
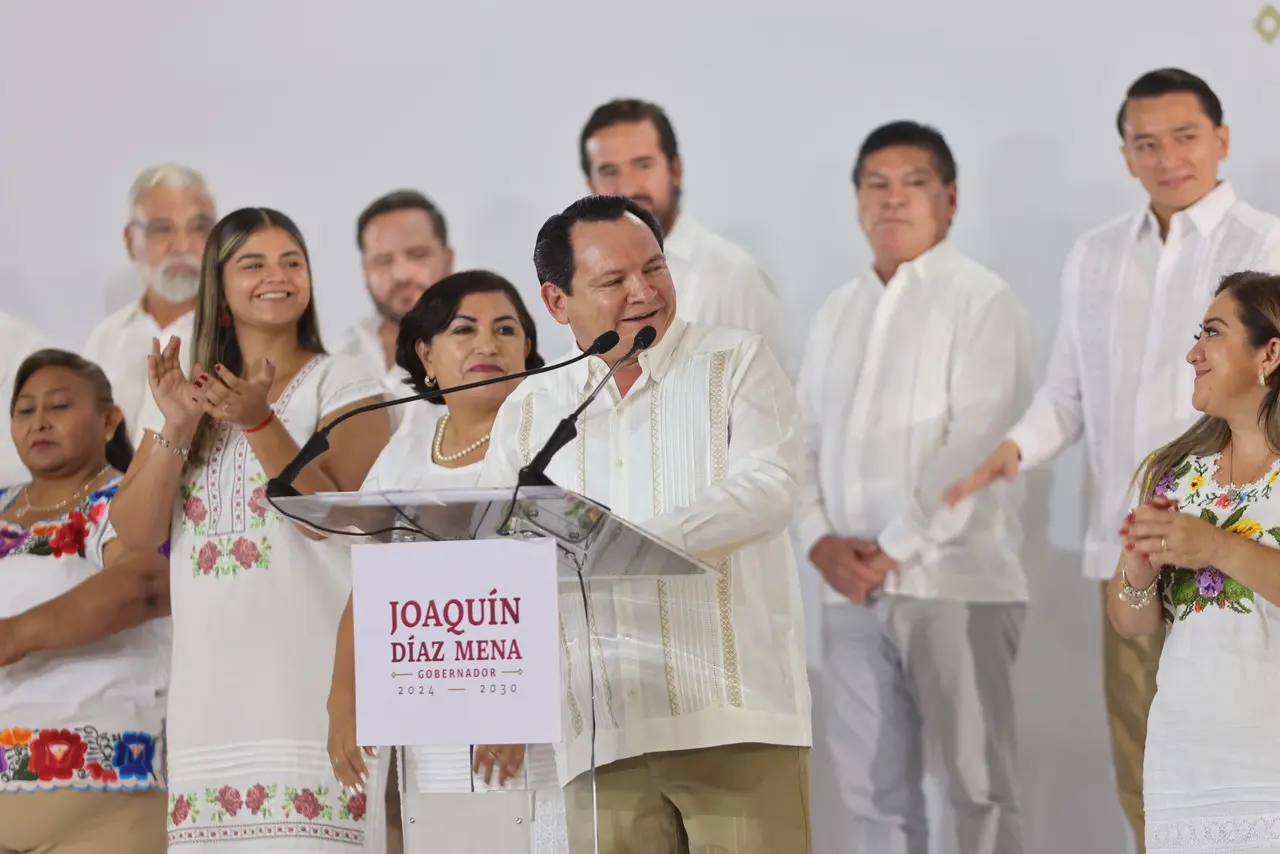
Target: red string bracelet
<point>270,418</point>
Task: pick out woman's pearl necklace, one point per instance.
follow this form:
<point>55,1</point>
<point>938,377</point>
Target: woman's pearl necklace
<point>448,458</point>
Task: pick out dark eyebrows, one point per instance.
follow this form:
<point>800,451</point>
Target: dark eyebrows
<point>1209,320</point>
<point>471,319</point>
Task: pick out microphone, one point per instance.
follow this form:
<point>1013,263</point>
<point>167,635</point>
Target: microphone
<point>281,486</point>
<point>567,429</point>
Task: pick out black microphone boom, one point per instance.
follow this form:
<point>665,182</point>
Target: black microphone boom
<point>281,485</point>
<point>534,473</point>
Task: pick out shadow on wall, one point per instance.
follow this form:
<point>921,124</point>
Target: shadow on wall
<point>1066,785</point>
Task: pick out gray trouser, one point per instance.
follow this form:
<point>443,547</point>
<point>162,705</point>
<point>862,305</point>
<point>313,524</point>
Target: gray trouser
<point>903,672</point>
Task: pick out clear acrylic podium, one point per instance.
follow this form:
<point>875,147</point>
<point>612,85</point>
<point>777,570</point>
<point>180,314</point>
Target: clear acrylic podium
<point>604,565</point>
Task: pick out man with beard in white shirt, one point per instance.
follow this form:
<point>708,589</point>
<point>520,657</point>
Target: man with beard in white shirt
<point>404,249</point>
<point>628,148</point>
<point>702,737</point>
<point>921,359</point>
<point>1133,294</point>
<point>171,212</point>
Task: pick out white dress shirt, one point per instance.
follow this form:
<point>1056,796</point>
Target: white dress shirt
<point>120,346</point>
<point>703,452</point>
<point>364,342</point>
<point>718,283</point>
<point>21,339</point>
<point>903,386</point>
<point>1118,373</point>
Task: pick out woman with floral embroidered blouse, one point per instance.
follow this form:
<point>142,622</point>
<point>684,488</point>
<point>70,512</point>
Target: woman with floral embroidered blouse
<point>83,662</point>
<point>256,599</point>
<point>1202,562</point>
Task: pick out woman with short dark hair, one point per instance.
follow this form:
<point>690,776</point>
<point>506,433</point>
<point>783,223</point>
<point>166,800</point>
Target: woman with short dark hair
<point>468,327</point>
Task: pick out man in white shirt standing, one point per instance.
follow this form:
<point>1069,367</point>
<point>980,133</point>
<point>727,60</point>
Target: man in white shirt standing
<point>909,369</point>
<point>628,148</point>
<point>1133,293</point>
<point>404,250</point>
<point>702,701</point>
<point>171,213</point>
<point>21,339</point>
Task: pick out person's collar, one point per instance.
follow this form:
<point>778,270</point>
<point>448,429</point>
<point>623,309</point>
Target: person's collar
<point>1204,216</point>
<point>935,261</point>
<point>683,237</point>
<point>653,360</point>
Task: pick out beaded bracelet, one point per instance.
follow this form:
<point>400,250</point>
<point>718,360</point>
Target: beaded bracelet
<point>169,446</point>
<point>1134,597</point>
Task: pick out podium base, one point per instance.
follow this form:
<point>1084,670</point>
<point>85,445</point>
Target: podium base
<point>468,823</point>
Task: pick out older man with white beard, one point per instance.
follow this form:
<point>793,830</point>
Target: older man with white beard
<point>170,215</point>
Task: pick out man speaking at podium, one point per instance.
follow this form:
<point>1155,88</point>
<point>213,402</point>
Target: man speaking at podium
<point>702,702</point>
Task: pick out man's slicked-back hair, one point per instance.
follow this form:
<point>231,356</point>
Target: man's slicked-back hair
<point>1169,81</point>
<point>912,134</point>
<point>553,250</point>
<point>402,200</point>
<point>628,111</point>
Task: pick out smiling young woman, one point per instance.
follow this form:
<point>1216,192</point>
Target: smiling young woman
<point>254,596</point>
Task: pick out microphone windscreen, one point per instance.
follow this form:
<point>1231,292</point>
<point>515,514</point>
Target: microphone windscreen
<point>645,337</point>
<point>606,342</point>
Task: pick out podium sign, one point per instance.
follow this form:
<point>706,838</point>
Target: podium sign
<point>457,642</point>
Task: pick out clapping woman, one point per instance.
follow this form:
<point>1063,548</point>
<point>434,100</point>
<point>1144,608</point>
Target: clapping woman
<point>1202,563</point>
<point>255,597</point>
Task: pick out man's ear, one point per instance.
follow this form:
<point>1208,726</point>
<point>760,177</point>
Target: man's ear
<point>556,301</point>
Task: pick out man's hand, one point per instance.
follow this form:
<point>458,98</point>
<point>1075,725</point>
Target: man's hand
<point>1003,463</point>
<point>847,565</point>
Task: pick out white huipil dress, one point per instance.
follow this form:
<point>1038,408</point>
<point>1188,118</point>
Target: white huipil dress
<point>1212,769</point>
<point>407,464</point>
<point>255,613</point>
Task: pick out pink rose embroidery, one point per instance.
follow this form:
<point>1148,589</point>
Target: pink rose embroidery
<point>356,807</point>
<point>257,501</point>
<point>181,809</point>
<point>194,510</point>
<point>307,804</point>
<point>209,555</point>
<point>255,798</point>
<point>229,799</point>
<point>245,552</point>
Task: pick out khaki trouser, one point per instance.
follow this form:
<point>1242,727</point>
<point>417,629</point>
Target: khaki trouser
<point>65,821</point>
<point>744,798</point>
<point>1129,683</point>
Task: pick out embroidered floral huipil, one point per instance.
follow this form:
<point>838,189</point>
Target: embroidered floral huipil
<point>90,717</point>
<point>255,612</point>
<point>1212,769</point>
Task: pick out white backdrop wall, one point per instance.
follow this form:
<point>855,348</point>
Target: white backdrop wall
<point>316,109</point>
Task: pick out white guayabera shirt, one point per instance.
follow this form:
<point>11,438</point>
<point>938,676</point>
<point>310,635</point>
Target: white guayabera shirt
<point>1118,374</point>
<point>905,385</point>
<point>120,345</point>
<point>703,452</point>
<point>720,284</point>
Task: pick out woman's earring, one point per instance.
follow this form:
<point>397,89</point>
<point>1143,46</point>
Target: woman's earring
<point>224,317</point>
<point>431,380</point>
<point>1262,378</point>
